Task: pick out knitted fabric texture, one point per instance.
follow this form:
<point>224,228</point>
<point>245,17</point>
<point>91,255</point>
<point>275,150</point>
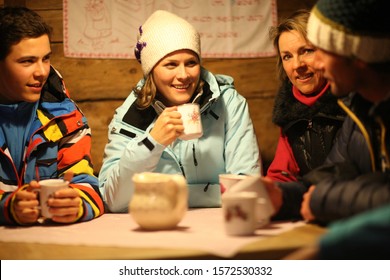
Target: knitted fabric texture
<point>161,34</point>
<point>352,28</point>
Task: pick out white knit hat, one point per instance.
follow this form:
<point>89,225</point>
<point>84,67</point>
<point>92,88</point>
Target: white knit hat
<point>352,28</point>
<point>161,34</point>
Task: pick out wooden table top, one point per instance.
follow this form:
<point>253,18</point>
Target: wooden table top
<point>57,240</point>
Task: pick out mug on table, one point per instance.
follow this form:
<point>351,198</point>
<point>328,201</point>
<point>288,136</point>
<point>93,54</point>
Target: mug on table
<point>264,207</point>
<point>239,213</point>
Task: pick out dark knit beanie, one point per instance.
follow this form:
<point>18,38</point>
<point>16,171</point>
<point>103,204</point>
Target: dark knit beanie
<point>352,28</point>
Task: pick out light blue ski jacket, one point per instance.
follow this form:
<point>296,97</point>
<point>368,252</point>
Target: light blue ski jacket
<point>228,145</point>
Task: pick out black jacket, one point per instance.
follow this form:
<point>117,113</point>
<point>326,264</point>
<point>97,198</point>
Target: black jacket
<point>356,174</point>
<point>310,130</point>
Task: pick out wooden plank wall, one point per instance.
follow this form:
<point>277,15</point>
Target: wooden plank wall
<point>101,85</point>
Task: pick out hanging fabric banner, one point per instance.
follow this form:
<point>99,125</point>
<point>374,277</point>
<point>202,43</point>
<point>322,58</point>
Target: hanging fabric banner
<point>228,28</point>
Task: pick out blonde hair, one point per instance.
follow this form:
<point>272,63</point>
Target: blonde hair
<point>298,22</point>
<point>147,93</point>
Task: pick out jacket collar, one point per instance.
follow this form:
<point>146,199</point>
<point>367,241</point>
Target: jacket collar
<point>288,109</point>
<point>213,88</point>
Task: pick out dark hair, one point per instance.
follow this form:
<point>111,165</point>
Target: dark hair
<point>18,23</point>
<point>298,22</point>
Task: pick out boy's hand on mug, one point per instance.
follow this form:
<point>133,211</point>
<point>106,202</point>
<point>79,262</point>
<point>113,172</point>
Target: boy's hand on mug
<point>65,205</point>
<point>26,204</point>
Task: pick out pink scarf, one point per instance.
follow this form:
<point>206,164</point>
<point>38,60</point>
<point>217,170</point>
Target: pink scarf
<point>308,100</point>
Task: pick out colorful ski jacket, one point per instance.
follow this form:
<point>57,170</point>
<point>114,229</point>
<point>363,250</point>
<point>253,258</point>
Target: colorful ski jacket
<point>60,141</point>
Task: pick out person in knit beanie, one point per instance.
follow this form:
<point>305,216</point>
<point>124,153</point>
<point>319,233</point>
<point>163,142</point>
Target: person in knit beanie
<point>352,191</point>
<point>144,133</point>
<point>161,34</point>
<point>355,57</point>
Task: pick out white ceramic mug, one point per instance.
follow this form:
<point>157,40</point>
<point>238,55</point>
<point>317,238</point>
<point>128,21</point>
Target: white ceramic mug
<point>190,114</point>
<point>159,201</point>
<point>264,206</point>
<point>226,181</point>
<point>47,188</point>
<point>239,212</point>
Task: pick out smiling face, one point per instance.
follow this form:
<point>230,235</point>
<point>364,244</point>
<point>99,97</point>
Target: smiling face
<point>298,62</point>
<point>176,77</point>
<point>24,70</point>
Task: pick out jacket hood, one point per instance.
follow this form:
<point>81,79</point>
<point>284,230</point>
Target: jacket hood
<point>54,91</point>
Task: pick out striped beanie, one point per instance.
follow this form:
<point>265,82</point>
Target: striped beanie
<point>161,34</point>
<point>352,28</point>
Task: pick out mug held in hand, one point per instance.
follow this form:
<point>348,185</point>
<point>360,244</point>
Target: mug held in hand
<point>190,114</point>
<point>47,189</point>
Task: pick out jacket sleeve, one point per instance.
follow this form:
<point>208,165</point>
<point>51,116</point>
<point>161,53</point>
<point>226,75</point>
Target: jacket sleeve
<point>242,154</point>
<point>7,217</point>
<point>283,167</point>
<point>345,184</point>
<point>125,154</point>
<point>335,199</point>
<point>74,155</point>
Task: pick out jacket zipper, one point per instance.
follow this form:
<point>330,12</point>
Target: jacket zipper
<point>182,168</point>
<point>194,155</point>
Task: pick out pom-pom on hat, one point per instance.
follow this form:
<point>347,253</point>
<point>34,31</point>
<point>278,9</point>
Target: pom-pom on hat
<point>161,34</point>
<point>352,28</point>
